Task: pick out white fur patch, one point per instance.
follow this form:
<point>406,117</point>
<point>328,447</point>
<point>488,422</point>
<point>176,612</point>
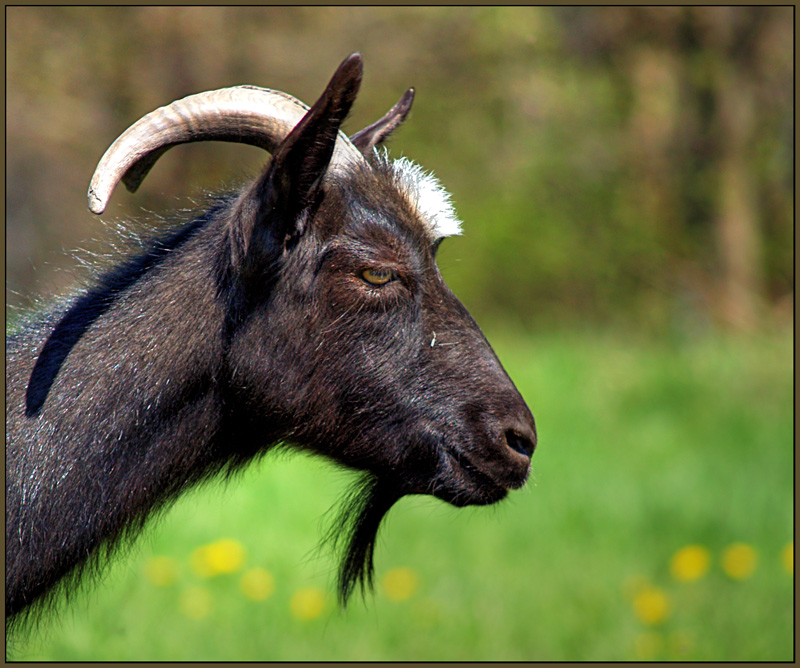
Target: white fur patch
<point>429,198</point>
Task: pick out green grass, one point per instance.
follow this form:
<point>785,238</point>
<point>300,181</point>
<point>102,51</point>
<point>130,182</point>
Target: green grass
<point>644,448</point>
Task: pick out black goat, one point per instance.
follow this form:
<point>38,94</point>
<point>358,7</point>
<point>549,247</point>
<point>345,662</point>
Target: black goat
<point>305,309</point>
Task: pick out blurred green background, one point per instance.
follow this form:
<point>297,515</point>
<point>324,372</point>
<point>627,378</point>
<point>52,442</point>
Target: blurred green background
<point>625,176</point>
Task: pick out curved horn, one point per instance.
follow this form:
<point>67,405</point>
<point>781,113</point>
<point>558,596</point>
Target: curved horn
<point>246,114</point>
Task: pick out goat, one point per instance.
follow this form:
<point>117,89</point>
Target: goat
<point>306,308</point>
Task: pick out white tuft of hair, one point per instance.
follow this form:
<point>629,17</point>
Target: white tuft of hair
<point>431,201</point>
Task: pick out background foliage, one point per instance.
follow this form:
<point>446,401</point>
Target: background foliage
<point>625,177</point>
<point>619,164</point>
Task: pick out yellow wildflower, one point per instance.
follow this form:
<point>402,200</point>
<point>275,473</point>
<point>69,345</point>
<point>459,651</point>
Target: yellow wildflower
<point>787,558</point>
<point>195,603</point>
<point>689,563</point>
<point>222,556</point>
<point>257,584</point>
<point>307,603</point>
<point>400,584</point>
<point>161,571</point>
<point>426,613</point>
<point>739,561</point>
<point>651,605</point>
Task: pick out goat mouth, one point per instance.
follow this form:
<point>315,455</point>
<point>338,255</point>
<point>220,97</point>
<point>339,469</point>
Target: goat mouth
<point>464,483</point>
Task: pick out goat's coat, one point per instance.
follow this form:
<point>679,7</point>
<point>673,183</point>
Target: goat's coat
<point>305,309</point>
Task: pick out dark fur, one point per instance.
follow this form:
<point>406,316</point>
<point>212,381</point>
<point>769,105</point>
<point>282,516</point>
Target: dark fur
<point>246,327</point>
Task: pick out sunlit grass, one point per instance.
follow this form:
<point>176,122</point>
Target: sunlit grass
<point>657,525</point>
<point>161,571</point>
<point>196,602</point>
<point>667,611</point>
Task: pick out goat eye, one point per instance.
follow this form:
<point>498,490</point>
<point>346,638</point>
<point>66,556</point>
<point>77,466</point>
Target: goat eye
<point>377,276</point>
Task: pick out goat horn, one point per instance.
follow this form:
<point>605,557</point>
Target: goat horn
<point>246,114</point>
<point>371,136</point>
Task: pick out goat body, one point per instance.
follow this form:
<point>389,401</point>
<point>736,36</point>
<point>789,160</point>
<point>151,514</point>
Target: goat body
<point>305,309</point>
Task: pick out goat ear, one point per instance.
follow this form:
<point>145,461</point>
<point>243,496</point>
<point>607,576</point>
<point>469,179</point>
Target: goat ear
<point>374,135</point>
<point>268,216</point>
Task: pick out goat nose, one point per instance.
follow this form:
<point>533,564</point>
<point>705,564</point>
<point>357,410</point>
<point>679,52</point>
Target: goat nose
<point>521,440</point>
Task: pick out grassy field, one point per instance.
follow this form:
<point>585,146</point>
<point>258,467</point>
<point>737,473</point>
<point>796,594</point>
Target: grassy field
<point>645,449</point>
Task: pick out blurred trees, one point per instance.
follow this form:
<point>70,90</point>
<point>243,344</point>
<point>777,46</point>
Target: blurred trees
<point>611,164</point>
<point>711,93</point>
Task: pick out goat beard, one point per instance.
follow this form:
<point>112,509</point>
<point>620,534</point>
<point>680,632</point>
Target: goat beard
<point>354,532</point>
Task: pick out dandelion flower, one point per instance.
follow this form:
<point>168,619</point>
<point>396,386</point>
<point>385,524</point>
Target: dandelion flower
<point>651,605</point>
<point>161,571</point>
<point>689,563</point>
<point>400,584</point>
<point>787,558</point>
<point>739,561</point>
<point>195,603</point>
<point>222,556</point>
<point>307,603</point>
<point>257,584</point>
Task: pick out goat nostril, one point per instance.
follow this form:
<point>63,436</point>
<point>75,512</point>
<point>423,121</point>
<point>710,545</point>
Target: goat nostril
<point>520,444</point>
